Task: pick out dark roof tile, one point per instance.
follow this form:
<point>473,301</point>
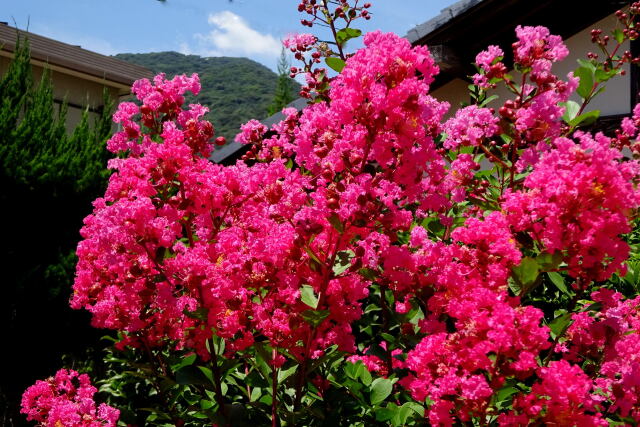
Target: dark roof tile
<point>73,57</point>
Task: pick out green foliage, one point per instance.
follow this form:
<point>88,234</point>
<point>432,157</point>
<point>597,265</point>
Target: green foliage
<point>235,89</point>
<point>336,64</point>
<point>48,178</point>
<point>284,90</point>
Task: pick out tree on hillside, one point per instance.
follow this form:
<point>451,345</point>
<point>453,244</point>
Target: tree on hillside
<point>48,177</point>
<point>284,89</point>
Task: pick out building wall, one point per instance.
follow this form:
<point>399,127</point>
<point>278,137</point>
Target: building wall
<point>78,92</point>
<point>616,99</point>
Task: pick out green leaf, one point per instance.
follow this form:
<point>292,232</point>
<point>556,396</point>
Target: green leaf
<point>505,392</point>
<point>308,296</point>
<point>201,313</point>
<point>191,375</point>
<point>221,345</point>
<point>558,280</point>
<point>286,373</point>
<point>506,138</point>
<point>504,397</point>
<point>262,355</point>
<point>289,164</point>
<point>488,100</point>
<point>633,274</point>
<point>343,262</point>
<point>385,414</point>
<point>334,220</point>
<point>315,317</point>
<point>347,34</point>
<point>207,373</point>
<point>206,404</point>
<point>186,361</point>
<point>266,399</point>
<point>526,273</point>
<point>416,407</point>
<point>368,273</point>
<point>365,376</point>
<point>585,119</point>
<point>571,109</point>
<point>380,389</point>
<point>548,261</point>
<point>256,392</point>
<point>387,337</point>
<point>587,77</point>
<point>336,64</point>
<point>351,370</point>
<point>405,411</point>
<point>560,324</point>
<point>618,35</point>
<point>314,263</point>
<point>587,64</point>
<point>599,91</point>
<point>603,75</point>
<point>354,387</point>
<point>436,226</point>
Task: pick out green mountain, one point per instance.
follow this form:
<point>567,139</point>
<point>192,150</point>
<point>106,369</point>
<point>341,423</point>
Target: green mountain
<point>235,89</point>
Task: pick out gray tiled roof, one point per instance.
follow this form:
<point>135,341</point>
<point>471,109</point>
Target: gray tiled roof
<point>446,14</point>
<point>233,147</point>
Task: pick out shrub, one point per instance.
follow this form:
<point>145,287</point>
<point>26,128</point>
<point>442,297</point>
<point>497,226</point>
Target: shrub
<point>360,266</point>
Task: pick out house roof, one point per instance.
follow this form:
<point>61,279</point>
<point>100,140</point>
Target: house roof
<point>234,150</point>
<point>466,27</point>
<point>63,56</point>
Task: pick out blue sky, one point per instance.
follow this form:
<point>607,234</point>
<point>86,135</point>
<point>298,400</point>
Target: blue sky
<point>249,28</point>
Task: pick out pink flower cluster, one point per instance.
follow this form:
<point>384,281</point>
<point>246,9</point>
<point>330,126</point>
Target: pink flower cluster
<point>576,202</point>
<point>536,111</point>
<point>610,339</point>
<point>299,42</point>
<point>628,132</point>
<point>66,400</point>
<point>378,113</point>
<point>490,64</point>
<point>161,102</point>
<point>564,395</point>
<point>470,126</point>
<point>466,283</point>
<point>537,43</point>
<point>608,345</point>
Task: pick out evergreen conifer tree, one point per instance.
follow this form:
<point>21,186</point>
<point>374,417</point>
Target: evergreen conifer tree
<point>284,89</point>
<point>48,178</point>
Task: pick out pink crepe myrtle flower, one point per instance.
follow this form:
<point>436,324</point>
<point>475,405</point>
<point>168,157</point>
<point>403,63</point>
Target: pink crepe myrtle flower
<point>299,42</point>
<point>470,126</point>
<point>577,200</point>
<point>66,399</point>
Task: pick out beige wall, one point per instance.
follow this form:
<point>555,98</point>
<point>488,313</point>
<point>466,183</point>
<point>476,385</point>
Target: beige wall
<point>615,99</point>
<point>76,91</point>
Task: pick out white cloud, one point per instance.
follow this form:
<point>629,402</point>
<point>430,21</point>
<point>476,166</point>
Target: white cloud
<point>185,49</point>
<point>233,36</point>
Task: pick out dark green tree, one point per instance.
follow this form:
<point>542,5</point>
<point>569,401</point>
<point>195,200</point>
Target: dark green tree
<point>49,177</point>
<point>284,89</point>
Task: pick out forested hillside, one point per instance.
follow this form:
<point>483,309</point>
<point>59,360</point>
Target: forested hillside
<point>234,89</point>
